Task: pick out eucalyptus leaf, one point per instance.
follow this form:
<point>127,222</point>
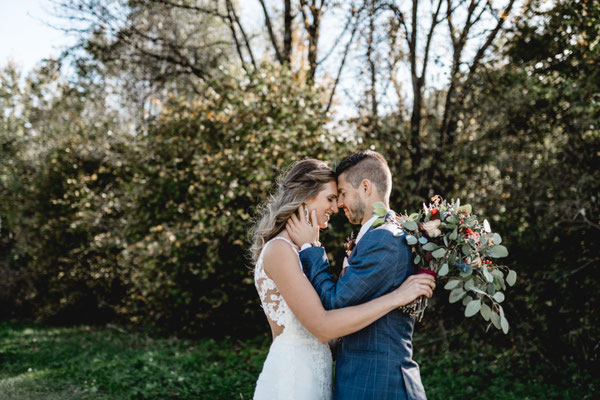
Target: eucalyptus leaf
<point>466,249</point>
<point>466,300</point>
<point>490,289</point>
<point>453,219</point>
<point>411,240</point>
<point>456,295</point>
<point>439,253</point>
<point>379,209</point>
<point>467,273</point>
<point>511,278</point>
<point>410,225</point>
<point>444,270</point>
<point>498,251</point>
<point>413,216</point>
<point>499,297</point>
<point>473,308</point>
<point>488,277</point>
<point>467,208</point>
<point>469,284</point>
<point>497,273</point>
<point>417,259</point>
<point>504,324</point>
<point>500,309</point>
<point>452,283</point>
<point>495,320</point>
<point>430,246</point>
<point>423,240</point>
<point>497,239</point>
<point>486,311</point>
<point>477,290</point>
<point>454,234</point>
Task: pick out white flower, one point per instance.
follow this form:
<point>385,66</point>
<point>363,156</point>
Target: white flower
<point>486,226</point>
<point>432,228</point>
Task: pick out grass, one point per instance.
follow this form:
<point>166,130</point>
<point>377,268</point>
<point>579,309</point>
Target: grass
<point>104,363</point>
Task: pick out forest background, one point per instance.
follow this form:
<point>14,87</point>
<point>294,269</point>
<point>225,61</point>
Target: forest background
<point>132,167</point>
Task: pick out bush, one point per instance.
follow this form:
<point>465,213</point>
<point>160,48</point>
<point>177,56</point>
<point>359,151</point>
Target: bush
<point>154,227</point>
<point>202,171</point>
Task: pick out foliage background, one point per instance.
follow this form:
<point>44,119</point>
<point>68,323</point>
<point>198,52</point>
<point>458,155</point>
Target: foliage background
<point>136,211</point>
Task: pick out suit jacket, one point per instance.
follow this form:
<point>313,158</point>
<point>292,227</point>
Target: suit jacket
<point>375,362</point>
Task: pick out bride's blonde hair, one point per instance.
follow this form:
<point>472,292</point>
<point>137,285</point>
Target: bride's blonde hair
<point>304,180</point>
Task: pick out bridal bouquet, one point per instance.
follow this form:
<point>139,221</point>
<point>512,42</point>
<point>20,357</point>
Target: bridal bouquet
<point>450,242</point>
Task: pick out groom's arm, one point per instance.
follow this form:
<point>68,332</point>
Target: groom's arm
<point>382,262</point>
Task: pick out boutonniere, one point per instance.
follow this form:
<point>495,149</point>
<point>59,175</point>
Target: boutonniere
<point>350,244</point>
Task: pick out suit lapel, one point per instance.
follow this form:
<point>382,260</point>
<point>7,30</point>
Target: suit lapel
<point>353,252</point>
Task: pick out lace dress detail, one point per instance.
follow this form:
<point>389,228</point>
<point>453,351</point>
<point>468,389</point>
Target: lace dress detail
<point>298,365</point>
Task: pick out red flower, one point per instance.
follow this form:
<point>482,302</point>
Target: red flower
<point>468,232</point>
<point>435,214</point>
<point>428,256</point>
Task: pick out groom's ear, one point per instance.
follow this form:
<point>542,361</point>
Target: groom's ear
<point>366,186</point>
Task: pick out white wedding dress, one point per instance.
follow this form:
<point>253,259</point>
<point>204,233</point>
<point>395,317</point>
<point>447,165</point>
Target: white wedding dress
<point>298,366</point>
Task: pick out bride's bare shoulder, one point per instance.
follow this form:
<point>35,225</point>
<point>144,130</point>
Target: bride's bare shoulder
<point>279,254</point>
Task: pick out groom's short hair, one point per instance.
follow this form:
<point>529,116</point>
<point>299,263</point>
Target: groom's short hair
<point>369,165</point>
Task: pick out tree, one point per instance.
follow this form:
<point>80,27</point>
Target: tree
<point>413,38</point>
<point>60,190</point>
<point>530,160</point>
<point>145,50</point>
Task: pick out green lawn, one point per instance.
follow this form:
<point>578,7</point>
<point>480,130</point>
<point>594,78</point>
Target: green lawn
<point>104,363</point>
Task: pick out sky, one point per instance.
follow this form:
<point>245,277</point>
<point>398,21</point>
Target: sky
<point>25,36</point>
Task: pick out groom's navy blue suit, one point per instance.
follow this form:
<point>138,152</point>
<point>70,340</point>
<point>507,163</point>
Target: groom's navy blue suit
<point>375,362</point>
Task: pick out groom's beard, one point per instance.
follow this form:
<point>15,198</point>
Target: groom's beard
<point>356,213</point>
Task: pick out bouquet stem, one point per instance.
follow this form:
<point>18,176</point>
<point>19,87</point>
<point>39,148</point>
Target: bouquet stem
<point>416,309</point>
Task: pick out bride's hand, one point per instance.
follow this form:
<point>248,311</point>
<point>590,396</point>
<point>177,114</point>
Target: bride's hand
<point>413,287</point>
<point>300,230</point>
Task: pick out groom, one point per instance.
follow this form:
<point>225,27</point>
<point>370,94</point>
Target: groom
<point>375,362</point>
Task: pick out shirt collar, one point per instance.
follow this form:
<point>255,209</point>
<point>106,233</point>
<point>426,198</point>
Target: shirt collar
<point>365,228</point>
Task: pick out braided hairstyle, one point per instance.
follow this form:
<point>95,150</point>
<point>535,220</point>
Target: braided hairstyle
<point>304,180</point>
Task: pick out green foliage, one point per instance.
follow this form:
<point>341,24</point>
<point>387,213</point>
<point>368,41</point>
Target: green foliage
<point>104,363</point>
<point>530,158</point>
<point>202,171</point>
<point>153,227</point>
<point>59,193</point>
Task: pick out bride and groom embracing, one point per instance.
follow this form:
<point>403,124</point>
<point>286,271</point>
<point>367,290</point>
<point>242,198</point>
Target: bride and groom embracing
<point>306,307</point>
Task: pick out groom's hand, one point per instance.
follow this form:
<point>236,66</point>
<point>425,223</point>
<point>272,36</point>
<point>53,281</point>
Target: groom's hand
<point>300,230</point>
<point>413,287</point>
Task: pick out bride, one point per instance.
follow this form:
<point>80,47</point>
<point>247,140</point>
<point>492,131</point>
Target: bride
<point>299,363</point>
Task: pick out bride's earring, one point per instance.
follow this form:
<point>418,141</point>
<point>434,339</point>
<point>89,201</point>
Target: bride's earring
<point>306,215</point>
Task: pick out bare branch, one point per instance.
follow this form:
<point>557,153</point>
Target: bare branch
<point>287,31</point>
<point>312,28</point>
<point>434,22</point>
<point>271,33</point>
<point>204,10</point>
<point>238,48</point>
<point>231,9</point>
<point>491,37</point>
<point>343,62</point>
